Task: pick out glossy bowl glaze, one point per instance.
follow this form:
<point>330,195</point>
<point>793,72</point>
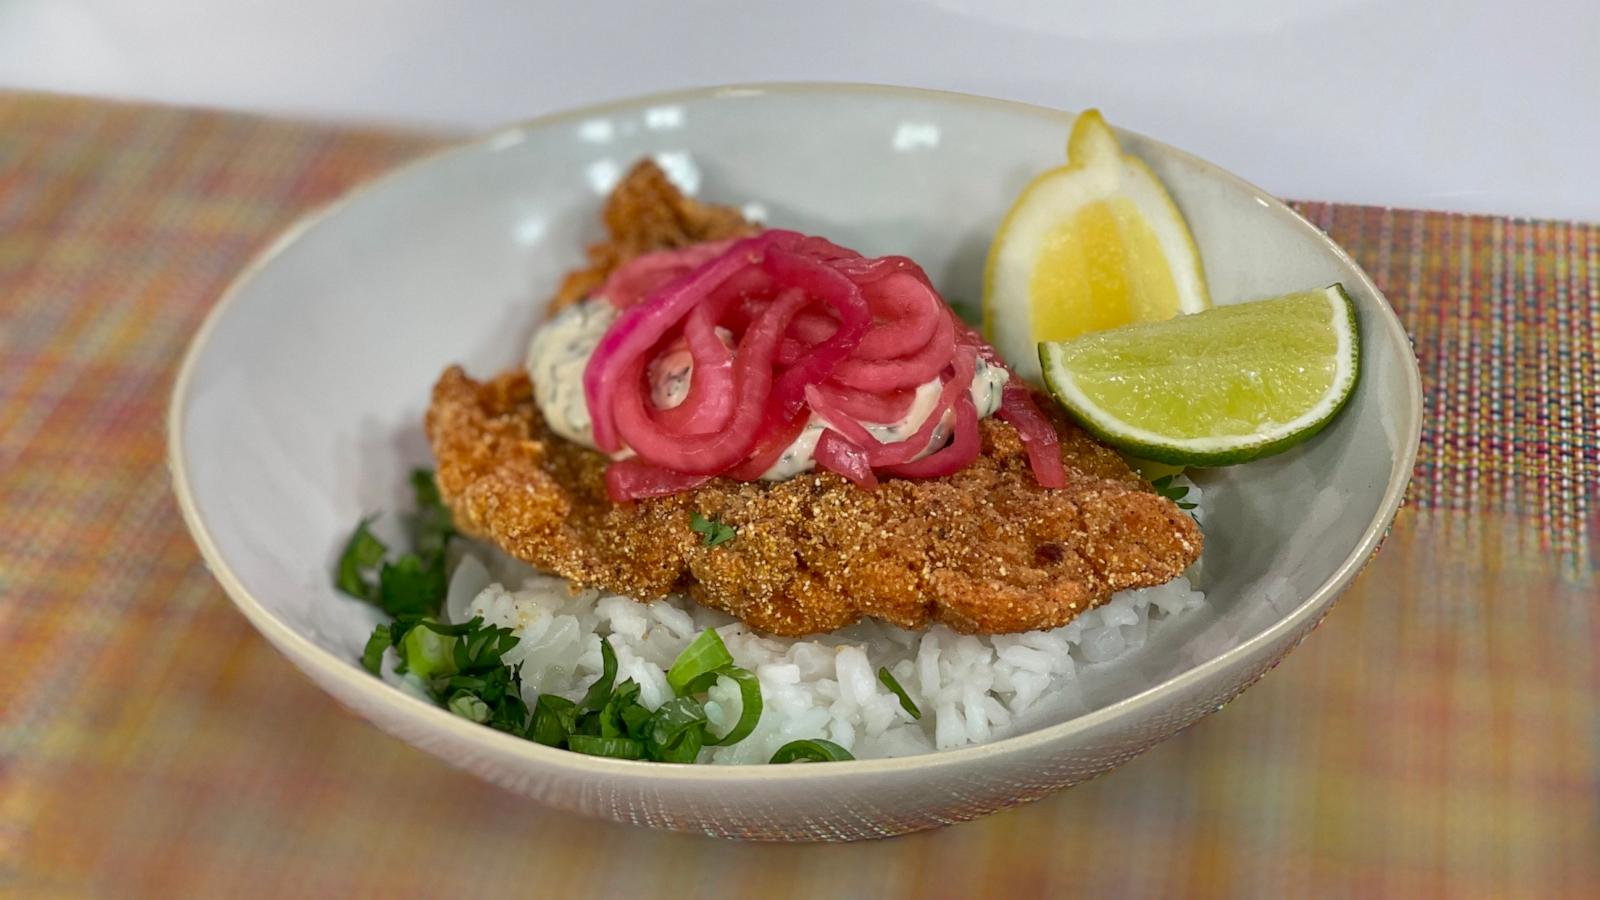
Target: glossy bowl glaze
<point>298,410</point>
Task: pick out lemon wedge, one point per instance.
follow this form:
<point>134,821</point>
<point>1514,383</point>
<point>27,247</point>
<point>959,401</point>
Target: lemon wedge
<point>1092,245</point>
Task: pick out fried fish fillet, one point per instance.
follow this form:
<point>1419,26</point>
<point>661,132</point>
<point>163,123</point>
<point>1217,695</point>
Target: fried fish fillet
<point>985,551</point>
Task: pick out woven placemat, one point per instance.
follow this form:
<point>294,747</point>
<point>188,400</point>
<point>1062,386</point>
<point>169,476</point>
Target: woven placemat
<point>1438,736</point>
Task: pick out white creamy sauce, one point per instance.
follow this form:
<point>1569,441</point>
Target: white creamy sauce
<point>669,378</point>
<point>562,346</point>
<point>557,356</point>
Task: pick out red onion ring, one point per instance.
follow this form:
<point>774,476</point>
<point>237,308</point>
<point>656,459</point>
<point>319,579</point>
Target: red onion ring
<point>810,323</point>
<point>633,479</point>
<point>709,454</point>
<point>820,282</point>
<point>645,274</point>
<point>769,449</point>
<point>709,403</point>
<point>892,374</point>
<point>955,456</point>
<point>838,455</point>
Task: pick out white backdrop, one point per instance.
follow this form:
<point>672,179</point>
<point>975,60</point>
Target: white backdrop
<point>1474,105</point>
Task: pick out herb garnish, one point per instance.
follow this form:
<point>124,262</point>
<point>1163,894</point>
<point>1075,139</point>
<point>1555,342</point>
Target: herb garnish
<point>1175,493</point>
<point>815,750</point>
<point>463,669</point>
<point>888,679</point>
<point>415,583</point>
<point>711,531</point>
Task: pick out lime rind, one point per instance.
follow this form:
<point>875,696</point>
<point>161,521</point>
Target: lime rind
<point>1215,450</point>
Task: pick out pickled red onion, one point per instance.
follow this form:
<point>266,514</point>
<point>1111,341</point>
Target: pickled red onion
<point>709,403</point>
<point>825,284</point>
<point>955,456</point>
<point>867,406</point>
<point>645,274</point>
<point>774,324</point>
<point>904,372</point>
<point>710,454</point>
<point>632,479</point>
<point>769,449</point>
<point>840,456</point>
<point>1018,410</point>
<point>642,326</point>
<point>903,451</point>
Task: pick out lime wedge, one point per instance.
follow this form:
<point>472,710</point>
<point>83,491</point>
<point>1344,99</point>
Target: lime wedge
<point>1218,387</point>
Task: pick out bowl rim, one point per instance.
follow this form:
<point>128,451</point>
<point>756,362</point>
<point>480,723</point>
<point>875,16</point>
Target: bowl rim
<point>316,660</point>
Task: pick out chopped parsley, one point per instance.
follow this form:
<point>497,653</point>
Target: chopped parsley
<point>711,531</point>
<point>1175,493</point>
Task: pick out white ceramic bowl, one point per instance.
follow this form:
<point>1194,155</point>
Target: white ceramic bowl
<point>298,409</point>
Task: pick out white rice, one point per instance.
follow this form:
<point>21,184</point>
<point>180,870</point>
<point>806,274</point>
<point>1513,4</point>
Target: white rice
<point>969,689</point>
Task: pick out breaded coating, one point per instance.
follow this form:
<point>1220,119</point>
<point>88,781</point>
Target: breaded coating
<point>646,212</point>
<point>985,551</point>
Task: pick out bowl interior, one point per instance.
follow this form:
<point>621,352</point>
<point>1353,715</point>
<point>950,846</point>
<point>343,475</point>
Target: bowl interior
<point>302,407</point>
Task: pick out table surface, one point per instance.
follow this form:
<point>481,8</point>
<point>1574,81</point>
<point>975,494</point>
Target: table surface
<point>1439,735</point>
<point>1474,106</point>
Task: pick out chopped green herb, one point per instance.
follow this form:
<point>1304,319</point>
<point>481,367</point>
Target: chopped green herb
<point>1175,493</point>
<point>814,750</point>
<point>625,697</point>
<point>372,655</point>
<point>887,677</point>
<point>469,706</point>
<point>410,586</point>
<point>462,666</point>
<point>415,584</point>
<point>362,554</point>
<point>601,689</point>
<point>677,730</point>
<point>426,654</point>
<point>749,706</point>
<point>615,748</point>
<point>431,526</point>
<point>635,719</point>
<point>704,656</point>
<point>554,718</point>
<point>711,531</point>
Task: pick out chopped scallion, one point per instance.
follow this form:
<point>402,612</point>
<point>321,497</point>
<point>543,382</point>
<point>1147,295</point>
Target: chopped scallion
<point>888,679</point>
<point>615,748</point>
<point>814,750</point>
<point>601,689</point>
<point>704,656</point>
<point>749,706</point>
<point>554,718</point>
<point>372,655</point>
<point>361,556</point>
<point>469,706</point>
<point>677,730</point>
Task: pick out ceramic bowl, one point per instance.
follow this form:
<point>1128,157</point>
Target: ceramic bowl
<point>299,404</point>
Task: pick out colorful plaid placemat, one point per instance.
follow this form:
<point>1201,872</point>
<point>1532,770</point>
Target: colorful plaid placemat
<point>1439,736</point>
